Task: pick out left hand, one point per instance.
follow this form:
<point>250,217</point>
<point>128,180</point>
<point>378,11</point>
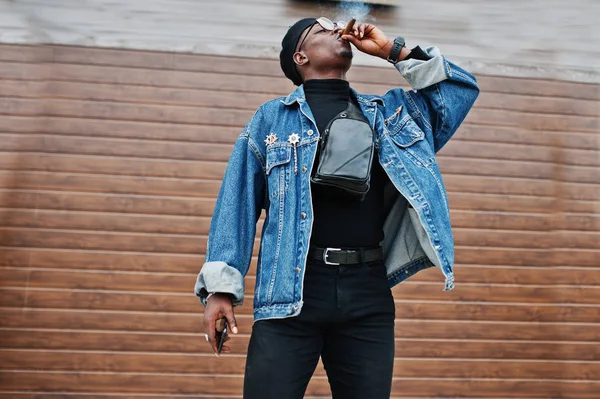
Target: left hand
<point>370,40</point>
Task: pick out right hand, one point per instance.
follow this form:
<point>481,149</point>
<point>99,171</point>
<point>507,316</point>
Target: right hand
<point>218,306</point>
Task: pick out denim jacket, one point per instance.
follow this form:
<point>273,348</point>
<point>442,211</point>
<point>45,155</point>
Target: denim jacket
<point>267,172</point>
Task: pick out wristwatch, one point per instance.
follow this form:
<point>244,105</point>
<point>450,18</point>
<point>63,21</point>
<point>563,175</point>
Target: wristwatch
<point>396,48</point>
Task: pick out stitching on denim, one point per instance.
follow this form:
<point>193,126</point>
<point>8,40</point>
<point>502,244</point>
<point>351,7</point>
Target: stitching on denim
<point>279,235</point>
<point>419,114</point>
<point>443,112</point>
<point>466,77</point>
<point>257,154</point>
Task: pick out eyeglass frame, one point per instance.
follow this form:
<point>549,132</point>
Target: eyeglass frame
<point>322,20</point>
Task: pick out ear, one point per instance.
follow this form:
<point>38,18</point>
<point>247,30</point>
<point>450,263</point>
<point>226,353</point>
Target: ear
<point>300,58</point>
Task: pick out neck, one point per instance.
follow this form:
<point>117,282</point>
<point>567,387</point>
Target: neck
<point>331,74</point>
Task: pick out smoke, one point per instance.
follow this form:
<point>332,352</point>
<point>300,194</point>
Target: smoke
<point>348,10</point>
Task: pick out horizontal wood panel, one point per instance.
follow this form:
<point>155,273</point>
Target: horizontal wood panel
<point>192,323</point>
<point>202,187</point>
<point>189,206</point>
<point>417,290</point>
<point>167,150</point>
<point>156,264</point>
<point>115,260</point>
<point>193,343</point>
<point>235,117</point>
<point>200,364</point>
<point>318,386</point>
<point>170,131</point>
<point>176,224</point>
<point>102,260</point>
<point>108,202</point>
<point>183,303</point>
<point>190,244</point>
<point>110,162</point>
<point>187,62</point>
<point>201,97</point>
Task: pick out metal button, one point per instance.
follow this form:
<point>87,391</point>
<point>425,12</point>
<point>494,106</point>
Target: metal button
<point>304,169</point>
<point>310,132</point>
<point>303,215</point>
<point>406,271</point>
<point>298,270</point>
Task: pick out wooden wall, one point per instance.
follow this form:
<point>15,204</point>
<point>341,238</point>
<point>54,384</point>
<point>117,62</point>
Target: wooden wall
<point>110,161</point>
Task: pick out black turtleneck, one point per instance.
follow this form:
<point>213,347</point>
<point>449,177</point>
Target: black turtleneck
<point>341,220</point>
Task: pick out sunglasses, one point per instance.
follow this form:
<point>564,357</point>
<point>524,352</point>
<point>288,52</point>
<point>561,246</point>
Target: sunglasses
<point>326,24</point>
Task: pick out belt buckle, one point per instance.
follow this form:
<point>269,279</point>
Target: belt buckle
<point>326,254</point>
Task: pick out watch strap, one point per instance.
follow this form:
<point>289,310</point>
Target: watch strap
<point>396,49</point>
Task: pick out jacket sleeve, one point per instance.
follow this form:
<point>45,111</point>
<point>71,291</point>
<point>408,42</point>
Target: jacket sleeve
<point>233,225</point>
<point>443,95</point>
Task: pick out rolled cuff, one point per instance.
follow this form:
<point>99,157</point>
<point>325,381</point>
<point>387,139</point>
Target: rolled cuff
<point>222,278</point>
<point>421,74</point>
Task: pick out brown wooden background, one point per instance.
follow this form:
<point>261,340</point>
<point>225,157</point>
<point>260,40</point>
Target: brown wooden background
<point>110,163</point>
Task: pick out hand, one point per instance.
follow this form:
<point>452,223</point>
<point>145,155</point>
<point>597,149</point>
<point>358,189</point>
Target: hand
<point>219,306</point>
<point>370,40</point>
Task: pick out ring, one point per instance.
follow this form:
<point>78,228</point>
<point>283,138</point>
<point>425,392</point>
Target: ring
<point>206,336</point>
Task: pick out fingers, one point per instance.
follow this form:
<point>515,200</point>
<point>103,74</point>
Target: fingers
<point>351,39</point>
<point>210,328</point>
<point>231,319</point>
<point>220,325</point>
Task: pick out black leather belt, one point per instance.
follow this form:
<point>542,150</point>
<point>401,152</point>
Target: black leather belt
<point>336,256</point>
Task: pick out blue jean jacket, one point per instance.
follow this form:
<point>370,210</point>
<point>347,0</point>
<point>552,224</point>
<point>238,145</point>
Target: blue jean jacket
<point>267,172</point>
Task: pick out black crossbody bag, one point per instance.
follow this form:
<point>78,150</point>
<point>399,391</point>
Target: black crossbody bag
<point>346,152</point>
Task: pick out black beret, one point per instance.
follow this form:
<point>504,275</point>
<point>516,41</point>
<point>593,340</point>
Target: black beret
<point>288,48</point>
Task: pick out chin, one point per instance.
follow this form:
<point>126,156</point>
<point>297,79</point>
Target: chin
<point>347,54</point>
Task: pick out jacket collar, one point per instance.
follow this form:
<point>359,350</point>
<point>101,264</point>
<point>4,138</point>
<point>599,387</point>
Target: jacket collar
<point>298,96</point>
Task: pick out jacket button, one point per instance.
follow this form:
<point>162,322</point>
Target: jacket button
<point>298,270</point>
<point>310,132</point>
<point>303,215</point>
<point>304,169</point>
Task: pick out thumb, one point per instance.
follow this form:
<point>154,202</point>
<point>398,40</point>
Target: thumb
<point>231,319</point>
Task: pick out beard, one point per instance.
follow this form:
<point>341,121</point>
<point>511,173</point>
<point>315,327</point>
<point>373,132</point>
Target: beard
<point>347,54</point>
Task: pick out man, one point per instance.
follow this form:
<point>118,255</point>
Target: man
<point>354,204</point>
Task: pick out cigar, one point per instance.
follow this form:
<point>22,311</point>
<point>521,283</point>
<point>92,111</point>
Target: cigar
<point>349,27</point>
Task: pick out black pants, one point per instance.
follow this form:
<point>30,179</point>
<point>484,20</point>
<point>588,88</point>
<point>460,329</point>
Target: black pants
<point>347,319</point>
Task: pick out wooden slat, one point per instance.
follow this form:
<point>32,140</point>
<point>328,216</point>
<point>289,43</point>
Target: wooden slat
<point>410,290</point>
<point>480,388</point>
<point>167,149</point>
<point>235,117</point>
<point>203,187</point>
<point>107,202</point>
<point>65,261</point>
<point>136,185</point>
<point>208,63</point>
<point>181,303</point>
<point>228,134</point>
<point>192,323</point>
<point>200,364</point>
<point>193,343</point>
<point>171,224</point>
<point>163,150</point>
<point>185,62</point>
<point>180,96</point>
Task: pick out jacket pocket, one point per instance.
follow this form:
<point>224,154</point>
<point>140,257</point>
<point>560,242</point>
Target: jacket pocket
<point>278,169</point>
<point>411,142</point>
